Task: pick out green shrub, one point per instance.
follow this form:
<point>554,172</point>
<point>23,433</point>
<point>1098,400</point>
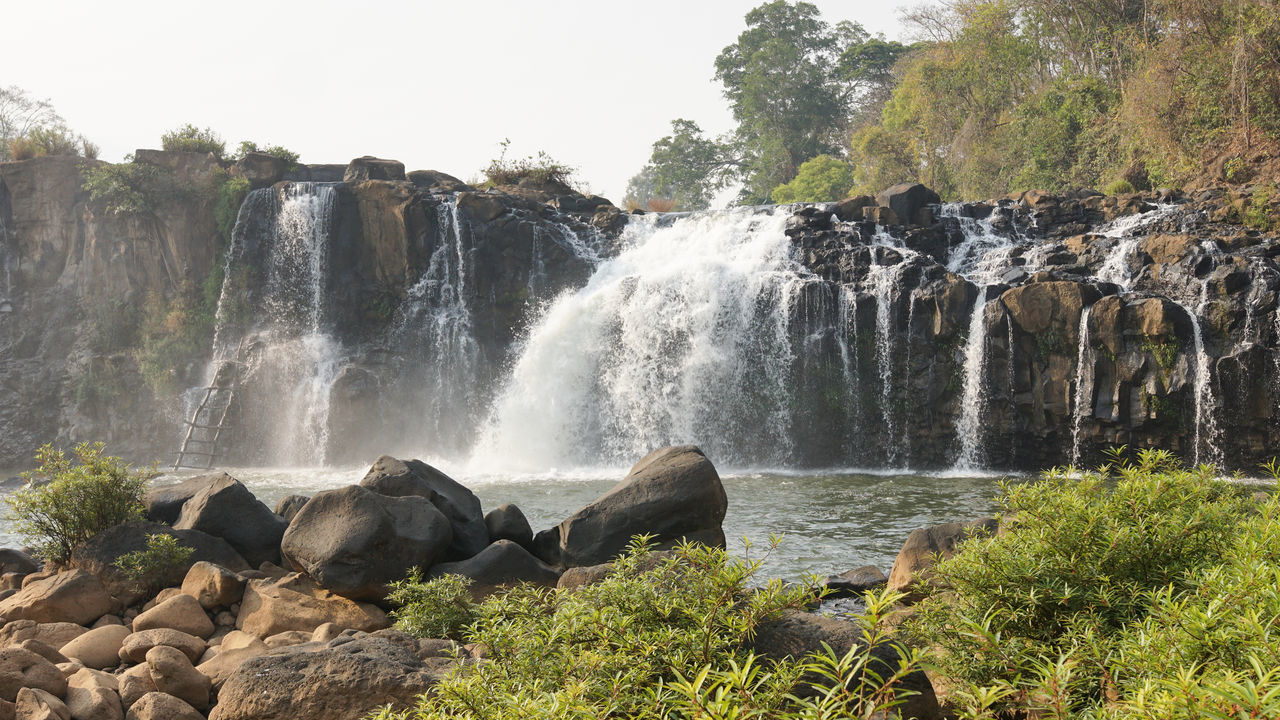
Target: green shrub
<point>540,169</point>
<point>231,194</point>
<point>128,188</point>
<point>176,331</point>
<point>660,636</point>
<point>50,140</point>
<point>190,138</point>
<point>1118,187</point>
<point>248,146</point>
<point>1050,615</point>
<point>69,500</point>
<point>148,568</point>
<point>825,178</point>
<point>439,608</point>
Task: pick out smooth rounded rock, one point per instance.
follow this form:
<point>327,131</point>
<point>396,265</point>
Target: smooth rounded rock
<point>294,602</point>
<point>135,683</point>
<point>36,704</point>
<point>135,647</point>
<point>94,703</point>
<point>51,634</point>
<point>160,706</point>
<point>401,478</point>
<point>173,673</point>
<point>74,596</point>
<point>226,509</point>
<point>180,612</point>
<point>354,541</point>
<point>98,648</point>
<point>21,668</point>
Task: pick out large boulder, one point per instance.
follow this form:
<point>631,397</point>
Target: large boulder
<point>910,572</point>
<point>798,634</point>
<point>99,648</point>
<point>289,505</point>
<point>21,668</point>
<point>164,502</point>
<point>162,706</point>
<point>173,673</point>
<point>372,168</point>
<point>294,602</point>
<point>54,634</point>
<point>399,478</point>
<point>213,586</point>
<point>507,522</point>
<point>502,564</point>
<point>907,200</point>
<point>354,541</point>
<point>99,554</point>
<point>135,647</point>
<point>74,596</point>
<point>671,493</point>
<point>345,679</point>
<point>262,170</point>
<point>36,704</point>
<point>180,612</point>
<point>226,509</point>
<point>94,703</point>
<point>16,561</point>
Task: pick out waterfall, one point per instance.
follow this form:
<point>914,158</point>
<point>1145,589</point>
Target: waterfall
<point>1083,402</point>
<point>885,282</point>
<point>972,399</point>
<point>434,330</point>
<point>683,337</point>
<point>1206,405</point>
<point>851,375</point>
<point>1115,268</point>
<point>980,257</point>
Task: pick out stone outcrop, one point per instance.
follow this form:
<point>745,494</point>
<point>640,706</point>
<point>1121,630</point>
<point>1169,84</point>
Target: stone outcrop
<point>344,679</point>
<point>355,541</point>
<point>74,597</point>
<point>399,478</point>
<point>671,493</point>
<point>225,508</point>
<point>295,603</point>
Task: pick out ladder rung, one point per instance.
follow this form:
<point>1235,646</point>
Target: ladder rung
<point>200,453</point>
<point>207,427</point>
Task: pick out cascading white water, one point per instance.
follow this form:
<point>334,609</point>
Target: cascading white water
<point>1207,446</point>
<point>683,337</point>
<point>885,283</point>
<point>980,257</point>
<point>1082,404</point>
<point>1115,268</point>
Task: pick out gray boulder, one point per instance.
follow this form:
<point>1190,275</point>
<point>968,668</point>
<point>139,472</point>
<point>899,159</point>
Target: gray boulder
<point>164,502</point>
<point>672,493</point>
<point>262,170</point>
<point>502,564</point>
<point>401,478</point>
<point>909,201</point>
<point>507,522</point>
<point>372,168</point>
<point>342,679</point>
<point>290,505</point>
<point>225,508</point>
<point>353,541</point>
<point>16,561</point>
<point>911,569</point>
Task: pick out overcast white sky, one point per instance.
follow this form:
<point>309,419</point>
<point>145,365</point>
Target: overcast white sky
<point>436,85</point>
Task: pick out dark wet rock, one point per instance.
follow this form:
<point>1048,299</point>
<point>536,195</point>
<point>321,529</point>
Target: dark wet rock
<point>225,508</point>
<point>401,478</point>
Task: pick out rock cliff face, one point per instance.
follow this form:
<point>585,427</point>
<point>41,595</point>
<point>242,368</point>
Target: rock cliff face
<point>1139,320</point>
<point>360,309</point>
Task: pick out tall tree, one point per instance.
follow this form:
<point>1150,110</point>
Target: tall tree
<point>792,81</point>
<point>20,114</point>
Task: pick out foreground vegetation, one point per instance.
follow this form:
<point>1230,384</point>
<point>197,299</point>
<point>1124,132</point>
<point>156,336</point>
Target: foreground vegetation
<point>1141,591</point>
<point>662,636</point>
<point>989,97</point>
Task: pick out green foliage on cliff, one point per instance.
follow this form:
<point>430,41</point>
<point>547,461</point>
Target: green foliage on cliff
<point>248,146</point>
<point>1116,594</point>
<point>660,637</point>
<point>190,138</point>
<point>230,195</point>
<point>824,178</point>
<point>994,96</point>
<point>128,188</point>
<point>540,169</point>
<point>70,499</point>
<point>175,331</point>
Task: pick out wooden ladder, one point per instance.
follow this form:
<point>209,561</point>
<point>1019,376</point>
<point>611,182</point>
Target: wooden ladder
<point>205,427</point>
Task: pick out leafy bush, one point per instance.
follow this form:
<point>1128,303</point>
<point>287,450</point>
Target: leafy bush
<point>1118,187</point>
<point>147,568</point>
<point>248,146</point>
<point>540,169</point>
<point>440,608</point>
<point>190,138</point>
<point>658,637</point>
<point>128,188</point>
<point>825,178</point>
<point>1056,613</point>
<point>231,193</point>
<point>69,500</point>
<point>50,140</point>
